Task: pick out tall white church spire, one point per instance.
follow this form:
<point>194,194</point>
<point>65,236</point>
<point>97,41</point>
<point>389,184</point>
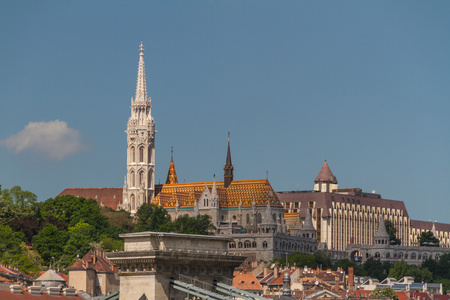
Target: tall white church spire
<point>140,180</point>
<point>141,85</point>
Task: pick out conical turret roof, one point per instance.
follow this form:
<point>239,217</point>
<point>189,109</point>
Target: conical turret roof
<point>172,174</point>
<point>325,174</point>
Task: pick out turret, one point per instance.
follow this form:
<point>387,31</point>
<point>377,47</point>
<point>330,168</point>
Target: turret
<point>381,237</point>
<point>325,181</point>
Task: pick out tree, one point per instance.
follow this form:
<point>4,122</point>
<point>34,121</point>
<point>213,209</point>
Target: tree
<point>200,224</point>
<point>383,293</point>
<point>80,237</point>
<point>426,238</point>
<point>392,231</point>
<point>50,243</point>
<point>322,259</point>
<point>376,269</point>
<point>151,217</point>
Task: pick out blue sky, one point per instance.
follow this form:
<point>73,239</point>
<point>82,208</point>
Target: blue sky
<point>362,84</point>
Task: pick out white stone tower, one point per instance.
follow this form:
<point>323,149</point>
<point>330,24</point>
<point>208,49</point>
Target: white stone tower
<point>139,186</point>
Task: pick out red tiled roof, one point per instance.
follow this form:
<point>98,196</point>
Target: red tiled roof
<point>325,200</point>
<point>279,279</point>
<point>363,293</point>
<point>94,261</point>
<point>416,295</point>
<point>246,281</point>
<point>7,295</point>
<point>440,297</point>
<point>246,191</point>
<point>403,296</point>
<point>110,197</point>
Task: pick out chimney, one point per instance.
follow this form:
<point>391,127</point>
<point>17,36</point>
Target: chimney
<point>15,289</point>
<point>34,290</point>
<point>336,283</point>
<point>266,271</point>
<point>275,272</point>
<point>350,277</point>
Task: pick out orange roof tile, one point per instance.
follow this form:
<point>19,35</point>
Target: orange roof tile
<point>246,281</point>
<point>246,191</point>
<point>96,261</point>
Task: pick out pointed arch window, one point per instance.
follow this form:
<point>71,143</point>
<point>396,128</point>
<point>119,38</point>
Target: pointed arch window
<point>141,178</point>
<point>132,179</point>
<point>259,218</point>
<point>248,219</point>
<point>141,154</point>
<point>133,154</point>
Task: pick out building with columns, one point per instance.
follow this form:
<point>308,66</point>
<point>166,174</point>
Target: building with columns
<point>139,185</point>
<point>350,216</point>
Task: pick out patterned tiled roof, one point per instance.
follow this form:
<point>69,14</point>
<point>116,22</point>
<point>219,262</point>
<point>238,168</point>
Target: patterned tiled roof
<point>110,197</point>
<point>247,191</point>
<point>172,174</point>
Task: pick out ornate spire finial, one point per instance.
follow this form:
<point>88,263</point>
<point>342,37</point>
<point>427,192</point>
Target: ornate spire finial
<point>171,153</point>
<point>172,174</point>
<point>141,85</point>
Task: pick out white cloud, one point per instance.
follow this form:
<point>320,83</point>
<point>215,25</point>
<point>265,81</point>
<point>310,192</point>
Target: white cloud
<point>53,138</point>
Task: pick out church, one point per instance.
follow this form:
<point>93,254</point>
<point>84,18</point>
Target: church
<point>262,222</point>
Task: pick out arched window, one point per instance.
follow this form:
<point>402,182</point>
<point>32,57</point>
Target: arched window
<point>240,245</point>
<point>425,256</point>
<point>274,216</point>
<point>413,255</point>
<point>264,244</point>
<point>133,154</point>
<point>254,245</point>
<point>141,154</point>
<point>388,255</point>
<point>377,255</point>
<point>132,179</point>
<point>133,204</point>
<point>248,219</point>
<point>247,244</point>
<point>259,218</point>
<point>232,245</point>
<point>141,178</point>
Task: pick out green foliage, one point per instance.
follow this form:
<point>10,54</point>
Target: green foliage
<point>376,269</point>
<point>401,269</point>
<point>71,209</point>
<point>151,217</point>
<point>383,293</point>
<point>80,237</point>
<point>120,219</point>
<point>392,231</point>
<point>15,202</point>
<point>50,243</point>
<point>344,264</point>
<point>200,224</point>
<point>110,244</point>
<point>14,251</point>
<point>322,259</point>
<point>427,238</point>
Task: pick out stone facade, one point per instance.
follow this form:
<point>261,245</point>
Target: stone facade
<point>152,259</point>
<point>139,185</point>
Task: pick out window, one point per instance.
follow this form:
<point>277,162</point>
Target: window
<point>259,218</point>
<point>141,154</point>
<point>248,219</point>
<point>133,154</point>
<point>254,245</point>
<point>264,244</point>
<point>132,179</point>
<point>247,244</point>
<point>141,178</point>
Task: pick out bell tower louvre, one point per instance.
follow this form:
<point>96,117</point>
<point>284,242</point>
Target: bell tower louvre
<point>139,186</point>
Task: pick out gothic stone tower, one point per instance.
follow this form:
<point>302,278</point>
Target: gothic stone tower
<point>139,186</point>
